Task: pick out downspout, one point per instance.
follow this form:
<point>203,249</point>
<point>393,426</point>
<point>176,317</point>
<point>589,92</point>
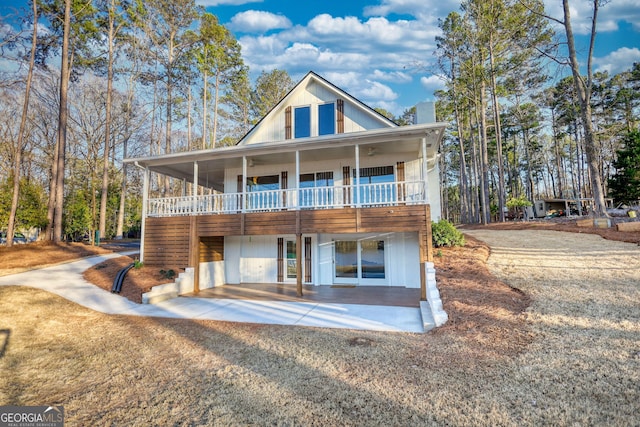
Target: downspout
<point>145,201</point>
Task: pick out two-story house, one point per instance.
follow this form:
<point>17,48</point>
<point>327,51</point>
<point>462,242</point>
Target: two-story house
<point>322,191</point>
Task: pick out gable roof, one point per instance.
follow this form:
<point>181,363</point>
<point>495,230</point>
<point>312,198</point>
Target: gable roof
<point>301,85</point>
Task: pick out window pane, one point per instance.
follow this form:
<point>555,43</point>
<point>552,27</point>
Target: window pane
<point>326,119</point>
<point>302,122</point>
<point>372,259</point>
<point>307,180</point>
<point>291,259</point>
<point>377,194</point>
<point>263,183</point>
<point>319,196</point>
<point>346,259</point>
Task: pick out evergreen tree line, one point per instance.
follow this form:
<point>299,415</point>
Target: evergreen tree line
<point>86,83</point>
<point>517,136</point>
<point>90,82</point>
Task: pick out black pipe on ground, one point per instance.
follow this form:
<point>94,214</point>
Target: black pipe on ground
<point>117,282</point>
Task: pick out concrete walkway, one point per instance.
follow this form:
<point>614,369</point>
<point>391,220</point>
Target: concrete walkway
<point>66,280</point>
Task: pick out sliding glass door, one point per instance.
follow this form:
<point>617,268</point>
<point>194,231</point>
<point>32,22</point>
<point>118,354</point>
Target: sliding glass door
<point>360,262</point>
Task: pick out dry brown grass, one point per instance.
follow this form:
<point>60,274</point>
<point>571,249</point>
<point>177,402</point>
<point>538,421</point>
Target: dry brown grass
<point>20,258</point>
<point>571,358</point>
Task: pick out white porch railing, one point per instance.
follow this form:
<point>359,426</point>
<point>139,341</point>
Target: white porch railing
<point>367,195</point>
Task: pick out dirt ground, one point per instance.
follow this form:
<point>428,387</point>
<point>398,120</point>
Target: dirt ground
<point>544,329</point>
<point>563,224</point>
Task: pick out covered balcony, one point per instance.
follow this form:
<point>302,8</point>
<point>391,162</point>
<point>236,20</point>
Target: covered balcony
<point>219,181</point>
<point>356,196</point>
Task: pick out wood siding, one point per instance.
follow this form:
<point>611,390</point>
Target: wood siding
<point>167,239</point>
<point>211,249</point>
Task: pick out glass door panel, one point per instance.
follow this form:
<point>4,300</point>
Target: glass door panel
<point>346,259</point>
<point>360,262</point>
<point>372,259</point>
<point>291,259</point>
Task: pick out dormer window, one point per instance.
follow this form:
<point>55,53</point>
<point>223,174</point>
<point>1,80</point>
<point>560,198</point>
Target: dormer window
<point>302,121</point>
<point>314,120</point>
<point>326,119</point>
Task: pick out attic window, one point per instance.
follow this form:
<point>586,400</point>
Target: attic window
<point>326,119</point>
<point>302,122</point>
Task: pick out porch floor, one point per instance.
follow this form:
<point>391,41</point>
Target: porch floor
<point>337,294</point>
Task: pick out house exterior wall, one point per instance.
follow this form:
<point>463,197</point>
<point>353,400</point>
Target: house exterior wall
<point>434,193</point>
<point>402,253</point>
<point>272,128</point>
<point>169,240</point>
<point>412,173</point>
<point>253,259</point>
<point>212,274</point>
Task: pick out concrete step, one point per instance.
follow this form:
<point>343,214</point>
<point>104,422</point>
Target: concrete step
<point>183,284</point>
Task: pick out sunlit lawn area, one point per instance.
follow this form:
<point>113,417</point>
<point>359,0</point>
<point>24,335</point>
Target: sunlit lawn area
<point>572,357</point>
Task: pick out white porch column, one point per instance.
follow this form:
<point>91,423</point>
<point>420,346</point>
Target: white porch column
<point>357,187</point>
<point>194,189</point>
<point>425,170</point>
<point>145,203</point>
<point>244,184</point>
<point>297,181</point>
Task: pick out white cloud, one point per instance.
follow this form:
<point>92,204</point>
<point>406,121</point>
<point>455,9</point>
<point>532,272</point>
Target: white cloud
<point>376,32</point>
<point>367,91</point>
<point>432,83</point>
<point>609,15</point>
<point>618,61</point>
<point>372,58</point>
<point>256,21</point>
<point>418,8</point>
<point>377,91</point>
<point>208,3</point>
<point>392,76</point>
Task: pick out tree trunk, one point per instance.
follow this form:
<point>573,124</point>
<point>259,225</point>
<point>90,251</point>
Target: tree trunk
<point>498,132</point>
<point>486,199</point>
<point>530,183</point>
<point>215,110</point>
<point>584,96</point>
<point>189,118</point>
<point>204,109</point>
<point>107,129</point>
<point>23,121</point>
<point>557,190</point>
<point>123,194</point>
<point>477,179</point>
<point>464,192</point>
<point>62,127</point>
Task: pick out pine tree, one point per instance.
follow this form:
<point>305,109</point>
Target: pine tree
<point>624,186</point>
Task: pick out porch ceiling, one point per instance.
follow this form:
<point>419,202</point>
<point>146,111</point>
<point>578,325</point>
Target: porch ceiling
<point>212,163</point>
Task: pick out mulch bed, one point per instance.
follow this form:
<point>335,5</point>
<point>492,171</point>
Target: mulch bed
<point>563,224</point>
<point>136,282</point>
<point>478,305</point>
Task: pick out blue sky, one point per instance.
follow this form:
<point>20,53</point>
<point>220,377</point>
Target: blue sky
<point>381,51</point>
<point>371,48</point>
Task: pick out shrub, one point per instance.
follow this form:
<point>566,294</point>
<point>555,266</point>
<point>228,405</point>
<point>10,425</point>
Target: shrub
<point>168,274</point>
<point>445,234</point>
